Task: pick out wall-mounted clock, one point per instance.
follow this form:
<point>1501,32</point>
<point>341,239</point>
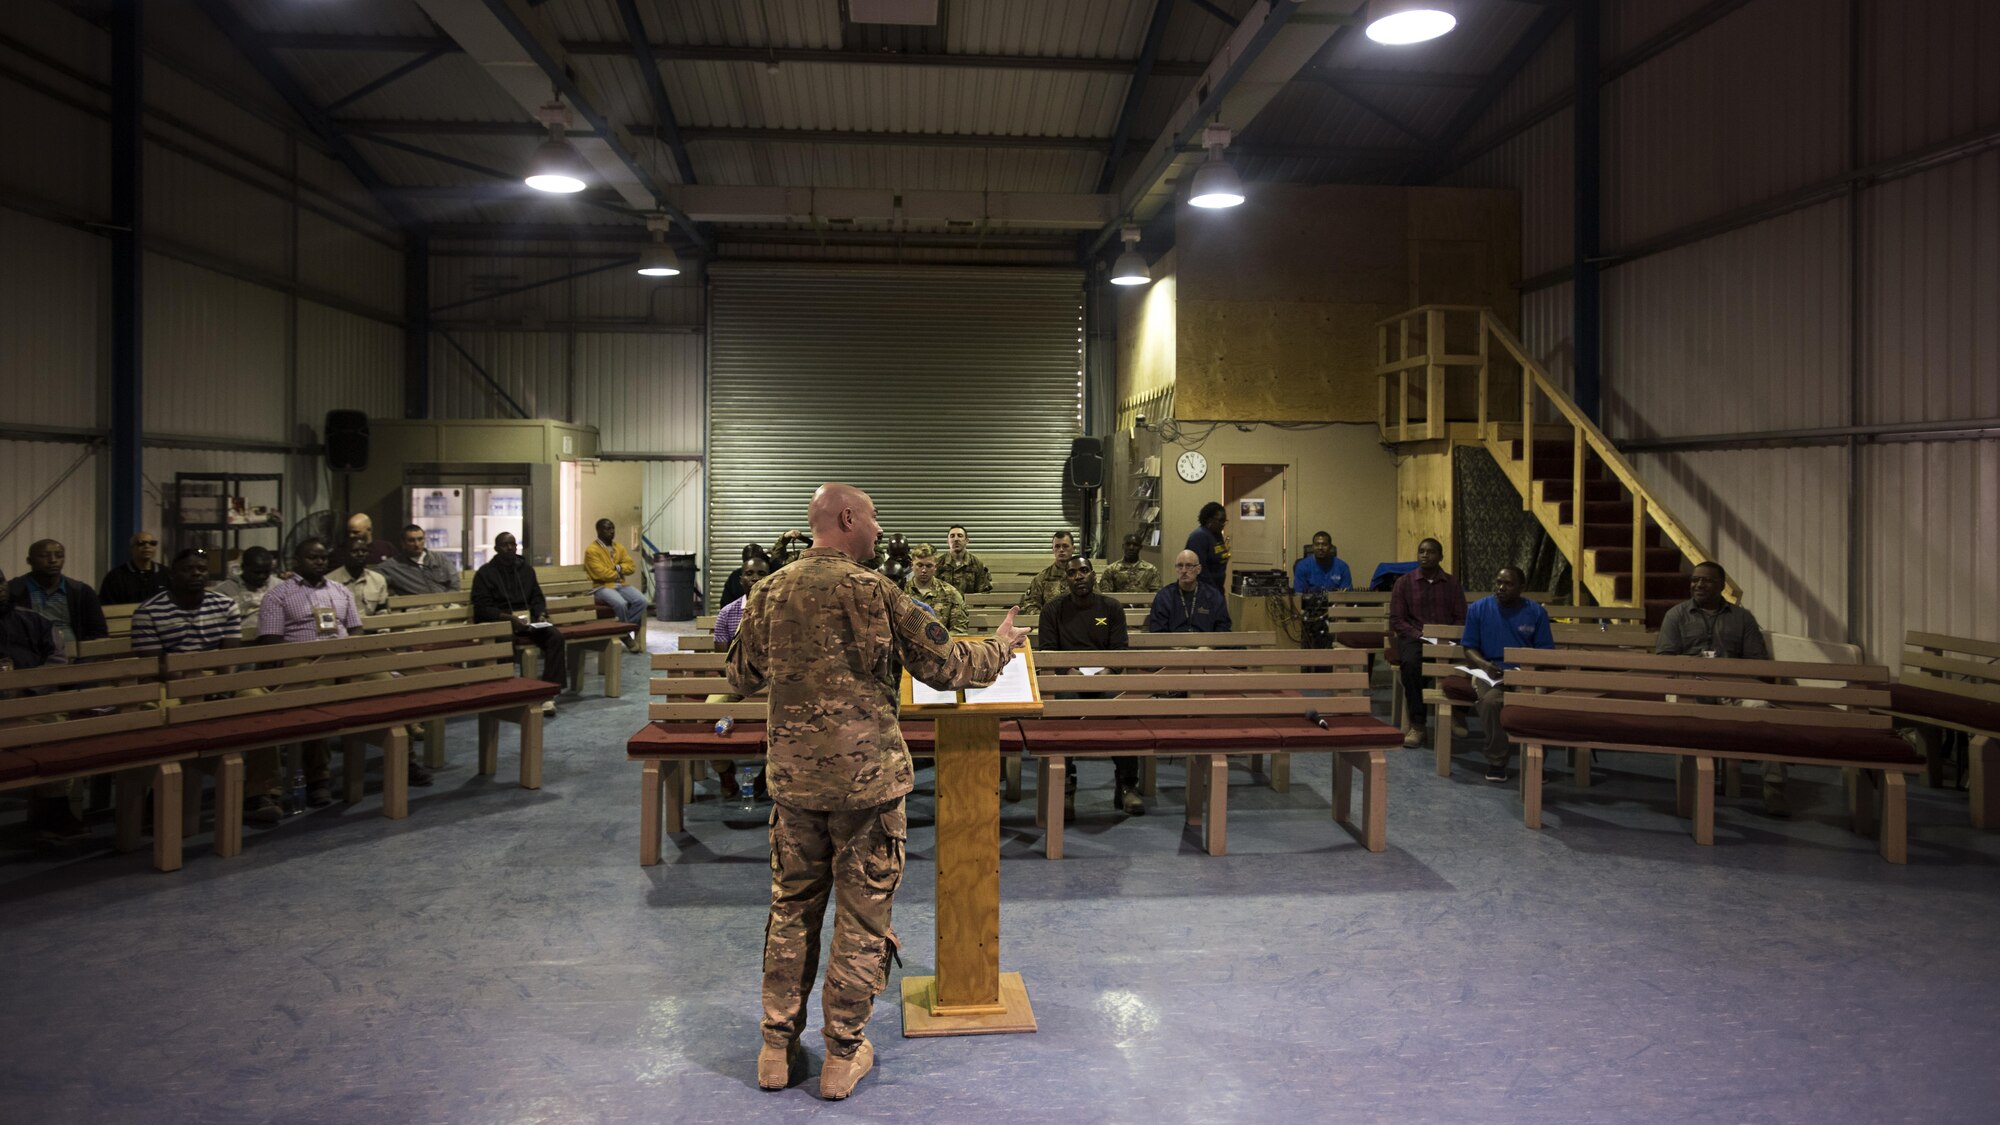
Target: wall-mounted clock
<point>1192,466</point>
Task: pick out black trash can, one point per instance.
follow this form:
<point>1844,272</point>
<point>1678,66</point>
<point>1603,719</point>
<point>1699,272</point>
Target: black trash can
<point>673,586</point>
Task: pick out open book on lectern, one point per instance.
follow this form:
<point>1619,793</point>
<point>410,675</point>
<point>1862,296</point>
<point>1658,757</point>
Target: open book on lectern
<point>1014,687</point>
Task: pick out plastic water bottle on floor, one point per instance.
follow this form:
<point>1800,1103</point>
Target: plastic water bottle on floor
<point>298,791</point>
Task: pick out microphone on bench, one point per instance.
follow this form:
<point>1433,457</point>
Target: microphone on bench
<point>1318,720</point>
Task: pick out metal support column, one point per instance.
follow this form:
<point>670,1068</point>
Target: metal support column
<point>127,294</point>
<point>417,325</point>
<point>1589,299</point>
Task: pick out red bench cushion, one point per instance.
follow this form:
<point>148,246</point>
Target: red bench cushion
<point>406,706</point>
<point>695,740</point>
<point>591,630</point>
<point>1944,707</point>
<point>13,766</point>
<point>1356,638</point>
<point>1345,732</point>
<point>1086,736</point>
<point>1724,735</point>
<point>1459,689</point>
<point>1196,734</point>
<point>202,736</point>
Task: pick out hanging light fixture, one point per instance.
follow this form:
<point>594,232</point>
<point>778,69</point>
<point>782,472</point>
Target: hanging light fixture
<point>1398,23</point>
<point>556,166</point>
<point>1130,268</point>
<point>1215,182</point>
<point>658,259</point>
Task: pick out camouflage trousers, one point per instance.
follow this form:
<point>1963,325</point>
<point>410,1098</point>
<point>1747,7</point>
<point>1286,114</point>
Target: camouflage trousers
<point>857,856</point>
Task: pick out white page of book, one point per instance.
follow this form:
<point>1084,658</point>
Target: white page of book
<point>1013,686</point>
<point>923,693</point>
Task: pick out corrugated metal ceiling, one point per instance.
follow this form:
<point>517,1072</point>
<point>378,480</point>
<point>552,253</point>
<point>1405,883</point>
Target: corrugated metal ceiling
<point>1311,132</point>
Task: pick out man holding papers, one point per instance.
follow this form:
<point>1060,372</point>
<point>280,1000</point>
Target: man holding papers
<point>506,589</point>
<point>827,634</point>
<point>1086,619</point>
<point>1493,624</point>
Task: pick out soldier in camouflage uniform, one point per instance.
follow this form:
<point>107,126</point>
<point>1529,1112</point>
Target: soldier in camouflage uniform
<point>943,597</point>
<point>1052,581</point>
<point>1130,574</point>
<point>829,637</point>
<point>961,567</point>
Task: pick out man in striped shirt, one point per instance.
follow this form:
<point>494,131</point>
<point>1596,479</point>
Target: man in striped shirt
<point>187,616</point>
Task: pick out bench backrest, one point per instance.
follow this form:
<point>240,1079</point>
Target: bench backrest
<point>1441,659</point>
<point>65,701</point>
<point>1635,683</point>
<point>1953,665</point>
<point>1001,600</point>
<point>1217,682</point>
<point>316,673</point>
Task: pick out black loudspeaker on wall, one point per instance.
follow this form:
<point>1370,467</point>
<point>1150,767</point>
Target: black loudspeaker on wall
<point>1084,470</point>
<point>346,441</point>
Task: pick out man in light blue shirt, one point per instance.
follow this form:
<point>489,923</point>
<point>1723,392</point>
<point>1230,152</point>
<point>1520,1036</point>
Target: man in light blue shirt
<point>1323,571</point>
<point>1494,624</point>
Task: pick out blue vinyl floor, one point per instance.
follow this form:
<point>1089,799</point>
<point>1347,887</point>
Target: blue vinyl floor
<point>500,956</point>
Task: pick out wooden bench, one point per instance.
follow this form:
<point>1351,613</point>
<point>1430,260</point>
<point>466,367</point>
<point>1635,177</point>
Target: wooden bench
<point>362,690</point>
<point>575,613</point>
<point>1449,689</point>
<point>1953,683</point>
<point>1692,707</point>
<point>74,721</point>
<point>1001,601</point>
<point>1237,702</point>
<point>679,740</point>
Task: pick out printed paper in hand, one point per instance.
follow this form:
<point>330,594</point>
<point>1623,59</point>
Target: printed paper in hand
<point>1479,676</point>
<point>1013,686</point>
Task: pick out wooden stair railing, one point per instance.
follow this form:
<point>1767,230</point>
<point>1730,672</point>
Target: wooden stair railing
<point>1624,546</point>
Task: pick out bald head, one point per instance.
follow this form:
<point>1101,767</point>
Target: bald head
<point>1187,569</point>
<point>843,517</point>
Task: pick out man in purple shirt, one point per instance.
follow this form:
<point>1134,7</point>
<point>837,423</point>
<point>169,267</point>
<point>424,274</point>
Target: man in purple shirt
<point>1424,596</point>
<point>309,607</point>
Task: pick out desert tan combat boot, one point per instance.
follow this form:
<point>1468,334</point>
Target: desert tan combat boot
<point>781,1067</point>
<point>837,1078</point>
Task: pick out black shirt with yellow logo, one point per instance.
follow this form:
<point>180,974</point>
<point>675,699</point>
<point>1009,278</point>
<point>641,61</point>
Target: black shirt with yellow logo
<point>1089,623</point>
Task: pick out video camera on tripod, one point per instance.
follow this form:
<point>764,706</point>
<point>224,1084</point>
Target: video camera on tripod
<point>1313,630</point>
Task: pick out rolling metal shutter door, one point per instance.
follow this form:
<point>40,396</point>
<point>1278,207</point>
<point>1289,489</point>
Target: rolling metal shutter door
<point>951,396</point>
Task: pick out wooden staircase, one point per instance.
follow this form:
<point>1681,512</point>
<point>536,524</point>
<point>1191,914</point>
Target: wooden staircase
<point>1624,546</point>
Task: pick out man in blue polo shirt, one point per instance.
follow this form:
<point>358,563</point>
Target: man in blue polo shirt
<point>1323,571</point>
<point>1494,624</point>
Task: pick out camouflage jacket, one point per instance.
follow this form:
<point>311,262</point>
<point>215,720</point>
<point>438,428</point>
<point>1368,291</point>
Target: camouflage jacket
<point>945,601</point>
<point>970,576</point>
<point>1121,576</point>
<point>830,637</point>
<point>1044,588</point>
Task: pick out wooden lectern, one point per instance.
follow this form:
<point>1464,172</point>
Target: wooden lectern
<point>970,995</point>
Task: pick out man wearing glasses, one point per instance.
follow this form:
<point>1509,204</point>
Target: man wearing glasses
<point>139,577</point>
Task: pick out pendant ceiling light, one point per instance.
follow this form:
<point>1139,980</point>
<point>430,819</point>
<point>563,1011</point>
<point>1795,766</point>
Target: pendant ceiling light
<point>1399,23</point>
<point>556,166</point>
<point>1130,268</point>
<point>658,259</point>
<point>1215,182</point>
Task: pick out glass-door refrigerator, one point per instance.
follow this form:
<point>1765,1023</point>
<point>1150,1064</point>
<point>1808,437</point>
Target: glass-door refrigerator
<point>462,521</point>
<point>464,506</point>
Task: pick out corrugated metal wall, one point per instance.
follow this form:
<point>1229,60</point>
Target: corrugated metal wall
<point>28,469</point>
<point>876,377</point>
<point>606,349</point>
<point>1750,329</point>
<point>233,353</point>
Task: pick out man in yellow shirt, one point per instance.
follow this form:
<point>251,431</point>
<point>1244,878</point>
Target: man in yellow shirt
<point>609,564</point>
